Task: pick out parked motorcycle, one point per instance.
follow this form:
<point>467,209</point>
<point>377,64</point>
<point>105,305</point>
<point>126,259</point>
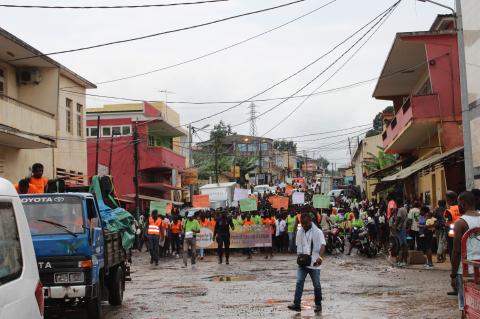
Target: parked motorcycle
<point>335,241</point>
<point>363,243</point>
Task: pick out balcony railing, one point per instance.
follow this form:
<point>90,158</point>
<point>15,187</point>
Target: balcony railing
<point>26,117</point>
<point>160,157</point>
<point>415,107</point>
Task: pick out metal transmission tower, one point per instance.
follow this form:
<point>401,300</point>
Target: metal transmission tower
<point>253,119</point>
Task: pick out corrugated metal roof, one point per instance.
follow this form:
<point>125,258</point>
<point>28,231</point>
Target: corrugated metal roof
<point>415,167</point>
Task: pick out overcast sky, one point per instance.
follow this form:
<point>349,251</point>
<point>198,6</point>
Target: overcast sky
<point>235,74</point>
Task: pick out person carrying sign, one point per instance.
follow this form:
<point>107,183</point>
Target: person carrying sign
<point>221,234</point>
<point>270,221</point>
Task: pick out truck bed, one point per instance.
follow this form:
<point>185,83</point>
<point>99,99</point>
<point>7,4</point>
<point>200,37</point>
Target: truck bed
<point>114,252</point>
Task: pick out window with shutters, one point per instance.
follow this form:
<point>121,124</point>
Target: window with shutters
<point>79,119</point>
<point>68,115</point>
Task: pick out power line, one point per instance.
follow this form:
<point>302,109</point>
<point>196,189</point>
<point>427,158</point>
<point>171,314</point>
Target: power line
<point>292,75</point>
<point>215,51</point>
<point>110,7</point>
<point>329,66</point>
<point>380,23</point>
<point>160,33</point>
<point>320,133</point>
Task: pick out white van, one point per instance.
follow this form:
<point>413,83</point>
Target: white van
<point>261,189</point>
<point>21,293</point>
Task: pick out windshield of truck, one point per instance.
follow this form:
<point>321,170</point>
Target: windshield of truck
<point>54,215</point>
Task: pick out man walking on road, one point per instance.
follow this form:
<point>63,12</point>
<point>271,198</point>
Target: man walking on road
<point>221,234</point>
<point>310,249</point>
<point>154,229</point>
<point>191,228</point>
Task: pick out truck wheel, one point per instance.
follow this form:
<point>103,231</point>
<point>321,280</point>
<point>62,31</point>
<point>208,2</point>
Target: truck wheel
<point>94,308</point>
<point>116,287</point>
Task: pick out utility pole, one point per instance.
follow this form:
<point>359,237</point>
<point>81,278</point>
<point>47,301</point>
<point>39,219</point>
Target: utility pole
<point>111,155</point>
<point>136,162</point>
<point>190,156</point>
<point>216,164</point>
<point>288,163</point>
<point>467,138</point>
<point>350,147</point>
<point>98,146</point>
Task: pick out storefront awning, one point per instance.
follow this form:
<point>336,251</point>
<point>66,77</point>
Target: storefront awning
<point>417,166</point>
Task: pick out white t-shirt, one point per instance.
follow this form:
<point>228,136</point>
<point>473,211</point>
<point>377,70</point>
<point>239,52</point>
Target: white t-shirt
<point>304,243</point>
<point>413,214</point>
<point>280,227</point>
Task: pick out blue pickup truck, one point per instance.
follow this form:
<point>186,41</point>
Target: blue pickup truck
<point>80,262</point>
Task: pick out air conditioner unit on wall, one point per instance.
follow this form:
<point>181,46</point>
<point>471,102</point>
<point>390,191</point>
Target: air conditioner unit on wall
<point>29,76</point>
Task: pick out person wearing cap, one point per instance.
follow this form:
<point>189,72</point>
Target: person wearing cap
<point>190,229</point>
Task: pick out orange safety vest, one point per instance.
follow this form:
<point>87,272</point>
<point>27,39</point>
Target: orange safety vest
<point>205,223</point>
<point>271,222</point>
<point>455,212</point>
<point>154,226</point>
<point>248,222</point>
<point>176,227</point>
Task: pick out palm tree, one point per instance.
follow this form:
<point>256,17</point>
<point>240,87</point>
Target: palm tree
<point>379,161</point>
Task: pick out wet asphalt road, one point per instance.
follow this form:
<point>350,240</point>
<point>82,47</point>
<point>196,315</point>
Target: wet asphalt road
<point>353,287</point>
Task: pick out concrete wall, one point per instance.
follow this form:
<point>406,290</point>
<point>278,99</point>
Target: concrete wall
<point>71,151</point>
<point>16,164</point>
<point>43,95</point>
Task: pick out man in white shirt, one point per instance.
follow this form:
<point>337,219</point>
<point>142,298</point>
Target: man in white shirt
<point>310,241</point>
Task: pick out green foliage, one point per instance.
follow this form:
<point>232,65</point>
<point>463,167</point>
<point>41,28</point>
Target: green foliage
<point>220,131</point>
<point>246,164</point>
<point>323,162</point>
<point>378,122</point>
<point>205,162</point>
<point>285,146</point>
<point>379,161</point>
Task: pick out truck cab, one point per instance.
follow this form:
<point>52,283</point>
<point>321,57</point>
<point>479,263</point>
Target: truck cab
<point>80,262</point>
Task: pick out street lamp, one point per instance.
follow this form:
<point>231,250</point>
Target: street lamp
<point>440,5</point>
<point>467,140</point>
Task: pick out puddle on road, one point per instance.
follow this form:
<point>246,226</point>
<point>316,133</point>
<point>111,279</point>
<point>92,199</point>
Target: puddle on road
<point>226,278</point>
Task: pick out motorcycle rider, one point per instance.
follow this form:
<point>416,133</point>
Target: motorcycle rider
<point>356,223</point>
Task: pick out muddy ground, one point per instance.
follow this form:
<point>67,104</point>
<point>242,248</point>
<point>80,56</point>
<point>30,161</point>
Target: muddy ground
<point>353,287</point>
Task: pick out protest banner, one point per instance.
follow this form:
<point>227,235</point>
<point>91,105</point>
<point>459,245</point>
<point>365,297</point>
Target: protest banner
<point>321,201</point>
<point>160,207</point>
<point>200,201</point>
<point>240,193</point>
<point>242,237</point>
<point>298,198</point>
<point>279,202</point>
<point>248,204</point>
<point>253,196</point>
<point>289,190</point>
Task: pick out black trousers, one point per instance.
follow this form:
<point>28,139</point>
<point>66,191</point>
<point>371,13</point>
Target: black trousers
<point>223,242</point>
<point>175,241</point>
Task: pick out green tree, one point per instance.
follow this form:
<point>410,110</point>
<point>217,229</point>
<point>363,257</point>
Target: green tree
<point>323,162</point>
<point>378,122</point>
<point>379,161</point>
<point>285,146</point>
<point>246,164</point>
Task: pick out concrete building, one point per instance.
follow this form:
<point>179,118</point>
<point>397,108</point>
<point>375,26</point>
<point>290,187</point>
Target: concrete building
<point>40,121</point>
<point>366,147</point>
<point>421,78</point>
<point>159,142</point>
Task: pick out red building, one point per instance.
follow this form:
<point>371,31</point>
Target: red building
<point>159,143</point>
<point>421,78</point>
